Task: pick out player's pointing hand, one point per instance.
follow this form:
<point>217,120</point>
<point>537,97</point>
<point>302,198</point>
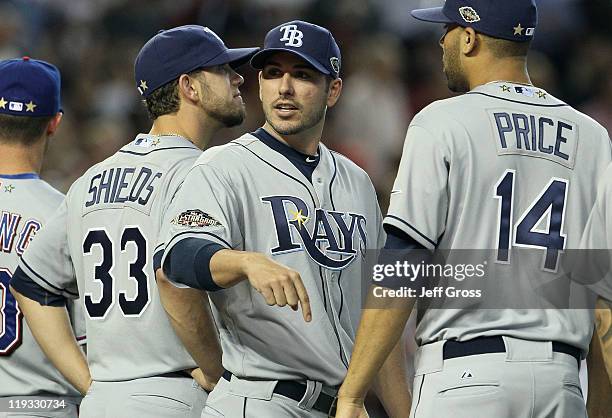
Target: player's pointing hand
<point>278,284</point>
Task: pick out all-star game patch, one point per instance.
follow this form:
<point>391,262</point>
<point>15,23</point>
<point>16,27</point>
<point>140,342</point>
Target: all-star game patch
<point>195,218</point>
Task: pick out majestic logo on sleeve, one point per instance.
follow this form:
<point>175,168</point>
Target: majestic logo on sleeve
<point>330,238</point>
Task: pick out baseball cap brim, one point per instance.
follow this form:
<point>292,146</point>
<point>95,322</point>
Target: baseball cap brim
<point>259,59</point>
<point>433,14</point>
<point>234,57</point>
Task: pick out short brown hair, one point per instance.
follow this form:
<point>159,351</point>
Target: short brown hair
<point>502,48</point>
<point>165,100</point>
<point>25,130</point>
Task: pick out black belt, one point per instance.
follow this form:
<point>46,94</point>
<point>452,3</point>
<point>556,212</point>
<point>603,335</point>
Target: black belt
<point>295,390</point>
<point>484,345</point>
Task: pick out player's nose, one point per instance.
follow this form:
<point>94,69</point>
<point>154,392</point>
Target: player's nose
<point>286,85</point>
<point>237,79</point>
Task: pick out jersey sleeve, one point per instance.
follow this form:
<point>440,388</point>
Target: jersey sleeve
<point>595,260</point>
<point>47,260</point>
<point>205,207</point>
<point>419,199</point>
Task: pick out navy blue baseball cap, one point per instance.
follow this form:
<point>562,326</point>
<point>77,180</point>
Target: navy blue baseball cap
<point>29,87</point>
<point>514,20</point>
<point>181,50</point>
<point>311,42</point>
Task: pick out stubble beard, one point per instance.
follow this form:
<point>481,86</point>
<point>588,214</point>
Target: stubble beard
<point>457,82</point>
<point>295,127</point>
<point>227,113</point>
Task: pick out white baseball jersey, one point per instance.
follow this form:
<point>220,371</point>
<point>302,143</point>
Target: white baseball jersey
<point>25,204</point>
<point>99,246</point>
<point>504,166</point>
<point>597,240</point>
<point>248,196</point>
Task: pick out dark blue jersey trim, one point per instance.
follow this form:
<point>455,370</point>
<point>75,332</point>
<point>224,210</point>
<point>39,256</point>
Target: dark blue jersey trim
<point>331,195</point>
<point>282,172</point>
<point>518,101</point>
<point>32,290</point>
<point>188,263</point>
<point>59,289</point>
<point>22,176</point>
<point>400,240</point>
<point>414,229</point>
<point>298,159</point>
<point>173,240</point>
<point>157,258</point>
<point>154,150</point>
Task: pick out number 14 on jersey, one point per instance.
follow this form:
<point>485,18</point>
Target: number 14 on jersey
<point>550,204</point>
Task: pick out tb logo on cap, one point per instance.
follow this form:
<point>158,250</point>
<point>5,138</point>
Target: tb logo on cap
<point>292,35</point>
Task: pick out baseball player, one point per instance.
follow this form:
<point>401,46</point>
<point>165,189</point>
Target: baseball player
<point>29,115</point>
<point>99,244</point>
<point>272,219</point>
<point>504,166</point>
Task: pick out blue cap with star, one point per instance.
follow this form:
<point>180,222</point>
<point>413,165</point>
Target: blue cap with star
<point>29,87</point>
<point>181,50</point>
<point>513,20</point>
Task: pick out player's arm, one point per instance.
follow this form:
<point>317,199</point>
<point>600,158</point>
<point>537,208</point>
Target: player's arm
<point>49,321</point>
<point>191,318</point>
<point>378,334</point>
<point>391,384</point>
<point>279,285</point>
<point>599,402</point>
<point>379,349</point>
<point>205,265</point>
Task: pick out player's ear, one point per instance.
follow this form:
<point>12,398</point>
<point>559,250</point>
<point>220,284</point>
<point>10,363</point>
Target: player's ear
<point>54,123</point>
<point>188,88</point>
<point>469,41</point>
<point>260,77</point>
<point>333,93</point>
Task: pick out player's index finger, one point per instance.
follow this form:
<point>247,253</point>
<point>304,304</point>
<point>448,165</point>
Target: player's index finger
<point>304,299</point>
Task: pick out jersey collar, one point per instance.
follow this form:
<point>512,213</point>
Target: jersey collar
<point>20,176</point>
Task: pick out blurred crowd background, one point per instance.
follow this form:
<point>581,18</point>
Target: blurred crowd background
<point>391,66</point>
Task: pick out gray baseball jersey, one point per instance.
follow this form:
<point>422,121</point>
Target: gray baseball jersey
<point>25,204</point>
<point>598,236</point>
<point>99,246</point>
<point>503,166</point>
<point>251,197</point>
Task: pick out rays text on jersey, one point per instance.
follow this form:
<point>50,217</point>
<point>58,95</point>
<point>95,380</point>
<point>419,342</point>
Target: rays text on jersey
<point>291,214</point>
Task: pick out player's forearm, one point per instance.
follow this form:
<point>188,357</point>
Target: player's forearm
<point>391,383</point>
<point>599,402</point>
<point>379,332</point>
<point>191,318</point>
<point>230,267</point>
<point>51,328</point>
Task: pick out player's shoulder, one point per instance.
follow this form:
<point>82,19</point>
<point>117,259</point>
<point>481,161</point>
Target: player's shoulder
<point>165,150</point>
<point>228,156</point>
<point>47,194</point>
<point>439,114</point>
<point>344,162</point>
<point>346,166</point>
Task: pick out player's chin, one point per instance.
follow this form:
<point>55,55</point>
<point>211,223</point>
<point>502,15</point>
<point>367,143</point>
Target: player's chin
<point>285,127</point>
